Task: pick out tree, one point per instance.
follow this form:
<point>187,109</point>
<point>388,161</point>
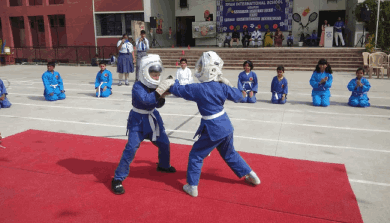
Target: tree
<point>383,41</point>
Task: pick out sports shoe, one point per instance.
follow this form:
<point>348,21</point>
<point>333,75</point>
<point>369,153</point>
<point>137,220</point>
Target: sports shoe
<point>127,83</point>
<point>117,186</point>
<point>171,169</point>
<point>120,84</point>
<point>191,190</point>
<point>252,178</point>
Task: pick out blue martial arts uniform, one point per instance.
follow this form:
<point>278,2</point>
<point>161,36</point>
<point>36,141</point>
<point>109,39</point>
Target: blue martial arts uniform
<point>144,102</point>
<point>103,80</point>
<point>279,88</point>
<point>215,130</point>
<point>53,84</point>
<point>359,94</point>
<point>4,103</point>
<point>321,92</point>
<point>247,83</point>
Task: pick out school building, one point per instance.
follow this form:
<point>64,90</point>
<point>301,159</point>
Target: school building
<point>53,23</point>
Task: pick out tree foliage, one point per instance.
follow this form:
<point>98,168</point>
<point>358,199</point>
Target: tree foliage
<point>384,21</point>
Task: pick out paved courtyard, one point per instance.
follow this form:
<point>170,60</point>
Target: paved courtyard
<point>356,137</point>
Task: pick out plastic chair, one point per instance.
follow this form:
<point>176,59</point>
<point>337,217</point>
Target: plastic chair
<point>365,62</point>
<point>376,62</point>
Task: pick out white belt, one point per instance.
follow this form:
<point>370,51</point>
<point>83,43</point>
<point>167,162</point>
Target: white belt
<point>101,83</point>
<point>209,117</point>
<point>155,128</point>
<point>54,85</point>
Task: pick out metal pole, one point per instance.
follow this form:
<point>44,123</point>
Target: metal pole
<point>377,23</point>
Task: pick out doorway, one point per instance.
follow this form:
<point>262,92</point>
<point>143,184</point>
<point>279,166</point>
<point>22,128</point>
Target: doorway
<point>331,17</point>
<point>184,31</point>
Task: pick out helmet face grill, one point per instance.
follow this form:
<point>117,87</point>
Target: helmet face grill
<point>208,67</point>
<point>150,64</point>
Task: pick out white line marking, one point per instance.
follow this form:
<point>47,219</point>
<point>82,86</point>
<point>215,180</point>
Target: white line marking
<point>199,116</point>
<point>306,94</point>
<point>193,132</point>
<point>369,182</point>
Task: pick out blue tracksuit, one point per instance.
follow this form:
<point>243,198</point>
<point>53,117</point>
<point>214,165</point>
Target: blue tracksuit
<point>4,103</point>
<point>248,83</point>
<point>321,92</point>
<point>103,80</point>
<point>359,94</point>
<point>279,88</point>
<point>214,132</point>
<point>53,84</point>
<point>139,129</point>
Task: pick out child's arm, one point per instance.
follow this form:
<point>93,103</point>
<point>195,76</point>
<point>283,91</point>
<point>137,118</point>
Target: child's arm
<point>109,83</point>
<point>187,91</point>
<point>144,97</point>
<point>313,82</point>
<point>366,85</point>
<point>60,83</point>
<point>233,94</point>
<point>46,84</point>
<point>97,81</point>
<point>3,91</point>
<point>273,84</point>
<point>239,84</point>
<point>351,85</point>
<point>285,88</point>
<point>328,83</point>
<point>255,83</point>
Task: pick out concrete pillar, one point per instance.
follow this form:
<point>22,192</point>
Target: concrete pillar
<point>7,31</point>
<point>48,38</point>
<point>27,32</point>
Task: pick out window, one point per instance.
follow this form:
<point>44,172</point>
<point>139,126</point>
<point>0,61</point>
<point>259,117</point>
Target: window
<point>116,24</point>
<point>35,2</point>
<point>15,2</point>
<point>17,26</point>
<point>58,30</point>
<point>37,30</point>
<point>54,2</point>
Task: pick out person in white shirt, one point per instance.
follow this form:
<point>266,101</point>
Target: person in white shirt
<point>142,45</point>
<point>126,59</point>
<point>256,36</point>
<point>183,74</point>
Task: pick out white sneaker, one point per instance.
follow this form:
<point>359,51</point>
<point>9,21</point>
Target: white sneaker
<point>191,190</point>
<point>252,178</point>
<point>127,82</point>
<point>120,83</point>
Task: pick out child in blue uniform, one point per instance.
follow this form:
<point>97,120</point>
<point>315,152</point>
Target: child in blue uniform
<point>247,83</point>
<point>359,87</point>
<point>145,122</point>
<point>103,81</point>
<point>279,87</point>
<point>54,86</point>
<point>215,130</point>
<point>4,102</point>
<point>321,81</point>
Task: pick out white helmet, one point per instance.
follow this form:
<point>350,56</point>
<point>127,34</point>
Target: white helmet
<point>209,67</point>
<point>150,63</point>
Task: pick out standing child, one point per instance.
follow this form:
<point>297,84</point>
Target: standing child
<point>359,87</point>
<point>54,86</point>
<point>125,60</point>
<point>247,83</point>
<point>279,87</point>
<point>103,81</point>
<point>184,74</point>
<point>145,122</point>
<point>290,39</point>
<point>4,102</point>
<point>215,130</point>
<point>321,81</point>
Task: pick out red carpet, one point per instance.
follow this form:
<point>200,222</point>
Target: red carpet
<point>54,177</point>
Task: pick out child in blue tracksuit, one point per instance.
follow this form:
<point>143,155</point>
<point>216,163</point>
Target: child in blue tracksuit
<point>4,102</point>
<point>359,87</point>
<point>103,81</point>
<point>54,86</point>
<point>215,130</point>
<point>321,81</point>
<point>279,87</point>
<point>247,83</point>
<point>145,122</point>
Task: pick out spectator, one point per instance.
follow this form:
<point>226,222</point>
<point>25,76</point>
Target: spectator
<point>94,61</point>
<point>278,38</point>
<point>245,37</point>
<point>126,59</point>
<point>268,38</point>
<point>339,26</point>
<point>322,41</point>
<point>290,39</point>
<point>228,40</point>
<point>256,37</point>
<point>235,36</point>
<point>142,46</point>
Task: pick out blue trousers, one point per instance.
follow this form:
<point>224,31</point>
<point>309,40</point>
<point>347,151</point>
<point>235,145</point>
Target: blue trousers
<point>204,146</point>
<point>358,102</point>
<point>248,99</point>
<point>133,143</point>
<point>321,100</point>
<point>104,94</point>
<point>5,103</point>
<point>279,100</point>
<point>56,96</point>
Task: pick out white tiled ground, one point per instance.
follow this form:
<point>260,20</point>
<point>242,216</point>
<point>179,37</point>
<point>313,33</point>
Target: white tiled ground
<point>356,137</point>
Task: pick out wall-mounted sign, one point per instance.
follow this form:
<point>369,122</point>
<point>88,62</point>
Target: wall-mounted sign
<point>203,29</point>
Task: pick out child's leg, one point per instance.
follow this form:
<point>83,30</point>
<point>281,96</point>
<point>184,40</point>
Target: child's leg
<point>105,93</point>
<point>282,101</point>
<point>232,158</point>
<point>252,99</point>
<point>61,96</point>
<point>353,101</point>
<point>120,75</point>
<point>5,103</point>
<point>54,97</point>
<point>132,145</point>
<point>325,101</point>
<point>126,78</point>
<point>316,100</point>
<point>164,155</point>
<point>364,103</point>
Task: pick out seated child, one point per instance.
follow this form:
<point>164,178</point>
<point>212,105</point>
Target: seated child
<point>359,87</point>
<point>279,87</point>
<point>247,83</point>
<point>256,37</point>
<point>314,38</point>
<point>103,81</point>
<point>321,81</point>
<point>215,130</point>
<point>52,81</point>
<point>112,59</point>
<point>184,74</point>
<point>228,40</point>
<point>94,61</point>
<point>4,102</point>
<point>290,39</point>
<point>145,122</point>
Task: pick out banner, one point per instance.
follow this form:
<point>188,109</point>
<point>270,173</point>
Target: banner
<point>328,37</point>
<point>203,29</point>
<point>267,14</point>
